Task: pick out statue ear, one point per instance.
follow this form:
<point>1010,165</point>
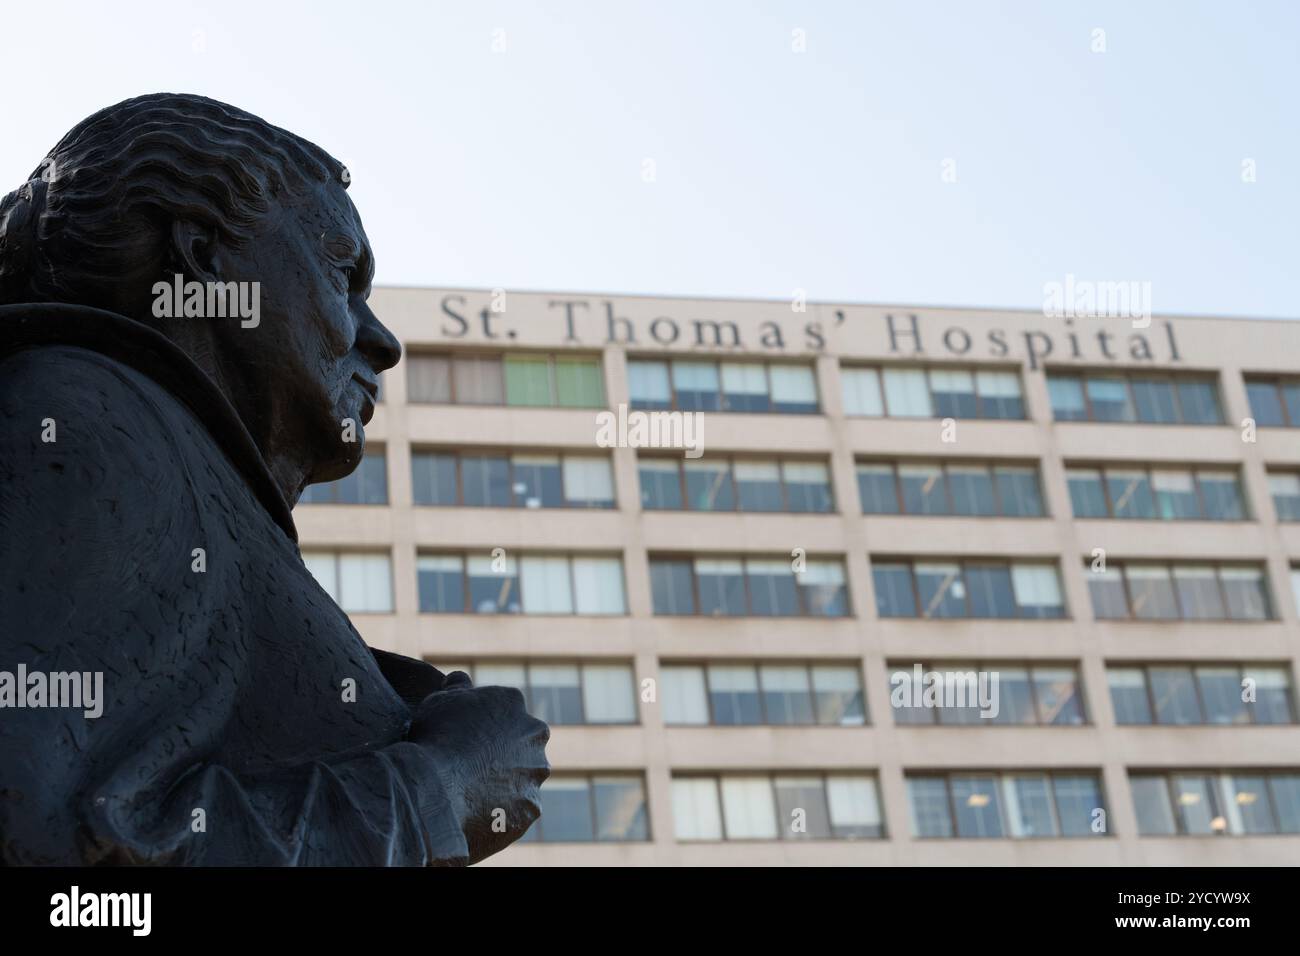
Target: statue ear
<point>194,247</point>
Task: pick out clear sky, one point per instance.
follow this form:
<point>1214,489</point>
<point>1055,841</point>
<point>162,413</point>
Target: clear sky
<point>525,168</point>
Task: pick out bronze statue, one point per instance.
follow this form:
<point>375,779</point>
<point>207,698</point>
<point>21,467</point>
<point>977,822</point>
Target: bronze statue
<point>185,345</point>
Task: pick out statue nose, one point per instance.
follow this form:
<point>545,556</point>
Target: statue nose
<point>377,344</point>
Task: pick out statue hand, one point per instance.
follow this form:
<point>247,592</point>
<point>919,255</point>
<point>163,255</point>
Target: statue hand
<point>491,755</point>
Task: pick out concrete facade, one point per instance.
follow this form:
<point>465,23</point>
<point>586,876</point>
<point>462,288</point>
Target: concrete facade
<point>830,336</point>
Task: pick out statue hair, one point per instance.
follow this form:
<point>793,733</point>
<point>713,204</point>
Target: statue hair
<point>93,221</point>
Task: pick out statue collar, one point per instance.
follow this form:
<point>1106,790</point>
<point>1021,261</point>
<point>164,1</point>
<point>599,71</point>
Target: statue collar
<point>36,324</point>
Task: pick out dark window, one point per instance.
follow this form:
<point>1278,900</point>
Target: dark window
<point>1018,491</point>
<point>486,480</point>
<point>661,485</point>
<point>1087,494</point>
<point>433,478</point>
<point>894,595</point>
<point>672,585</point>
<point>708,486</point>
<point>1266,403</point>
<point>877,489</point>
<point>367,485</point>
<point>990,591</point>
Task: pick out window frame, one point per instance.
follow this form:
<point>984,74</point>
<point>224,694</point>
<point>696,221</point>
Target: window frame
<point>924,369</point>
<point>509,454</point>
<point>717,363</point>
<point>1168,566</point>
<point>1194,666</point>
<point>743,558</point>
<point>992,464</point>
<point>500,358</point>
<point>962,561</point>
<point>518,557</point>
<point>1030,666</point>
<point>731,461</point>
<point>704,664</point>
<point>1174,379</point>
<point>1149,469</point>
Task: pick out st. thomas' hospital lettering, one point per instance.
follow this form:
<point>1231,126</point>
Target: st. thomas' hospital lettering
<point>900,334</point>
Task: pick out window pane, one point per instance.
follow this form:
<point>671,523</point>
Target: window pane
<point>588,482</point>
<point>999,395</point>
<point>684,694</point>
<point>1155,400</point>
<point>1078,797</point>
<point>758,485</point>
<point>1199,402</point>
<point>696,386</point>
<point>953,393</point>
<point>1151,801</point>
<point>877,490</point>
<point>772,588</point>
<point>501,674</point>
<point>1291,400</point>
<point>1199,598</point>
<point>1152,593</point>
<point>620,808</point>
<point>1028,801</point>
<point>1130,494</point>
<point>1175,494</point>
<point>697,814</point>
<point>433,478</point>
<point>1285,489</point>
<point>794,389</point>
<point>930,810</point>
<point>493,585</point>
<point>546,586</point>
<point>648,385</point>
<point>1198,804</point>
<point>905,699</point>
<point>428,378</point>
<point>537,481</point>
<point>1285,789</point>
<point>854,806</point>
<point>1015,697</point>
<point>528,380</point>
<point>907,393</point>
<point>441,582</point>
<point>1272,687</point>
<point>1248,804</point>
<point>893,585</point>
<point>822,586</point>
<point>924,492</point>
<point>990,591</point>
<point>365,583</point>
<point>975,801</point>
<point>733,695</point>
<point>1128,695</point>
<point>1037,590</point>
<point>555,692</point>
<point>1221,694</point>
<point>1110,399</point>
<point>745,386</point>
<point>1018,491</point>
<point>478,380</point>
<point>672,585</point>
<point>566,810</point>
<point>1221,492</point>
<point>1174,694</point>
<point>607,694</point>
<point>1106,589</point>
<point>661,487</point>
<point>1265,403</point>
<point>1245,593</point>
<point>1060,699</point>
<point>578,383</point>
<point>708,486</point>
<point>801,808</point>
<point>838,695</point>
<point>972,490</point>
<point>1087,496</point>
<point>486,480</point>
<point>861,388</point>
<point>807,486</point>
<point>1066,395</point>
<point>749,808</point>
<point>324,567</point>
<point>598,585</point>
<point>787,694</point>
<point>722,587</point>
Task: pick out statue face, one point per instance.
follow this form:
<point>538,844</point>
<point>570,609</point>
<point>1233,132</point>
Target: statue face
<point>310,368</point>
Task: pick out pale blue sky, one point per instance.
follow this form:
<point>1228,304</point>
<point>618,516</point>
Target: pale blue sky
<point>775,170</point>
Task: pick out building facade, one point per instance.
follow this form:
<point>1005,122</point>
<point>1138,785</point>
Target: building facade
<point>842,584</point>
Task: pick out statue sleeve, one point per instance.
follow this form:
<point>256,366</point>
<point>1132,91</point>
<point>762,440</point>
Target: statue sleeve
<point>98,507</point>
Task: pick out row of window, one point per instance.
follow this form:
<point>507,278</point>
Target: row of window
<point>751,484</point>
<point>575,381</point>
<point>785,693</point>
<point>1019,804</point>
<point>496,583</point>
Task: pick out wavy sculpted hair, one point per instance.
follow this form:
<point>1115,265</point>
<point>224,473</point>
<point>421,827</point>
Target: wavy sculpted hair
<point>93,223</point>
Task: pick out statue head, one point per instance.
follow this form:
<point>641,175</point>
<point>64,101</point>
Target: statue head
<point>172,185</point>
